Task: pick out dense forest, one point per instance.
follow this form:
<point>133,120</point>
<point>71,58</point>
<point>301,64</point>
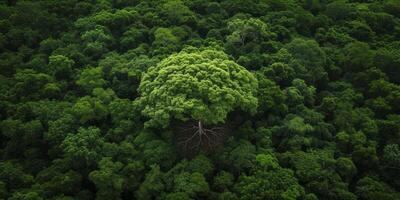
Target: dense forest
<point>200,99</point>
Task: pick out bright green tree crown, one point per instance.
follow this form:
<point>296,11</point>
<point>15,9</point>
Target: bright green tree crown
<point>196,84</point>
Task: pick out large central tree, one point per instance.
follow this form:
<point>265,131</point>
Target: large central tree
<point>196,84</point>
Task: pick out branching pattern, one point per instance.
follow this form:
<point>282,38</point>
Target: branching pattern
<point>198,137</point>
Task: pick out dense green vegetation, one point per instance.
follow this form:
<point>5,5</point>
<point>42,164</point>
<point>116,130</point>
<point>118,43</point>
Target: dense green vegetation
<point>200,99</point>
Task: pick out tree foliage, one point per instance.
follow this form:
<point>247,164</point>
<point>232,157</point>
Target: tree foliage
<point>203,85</point>
<point>200,99</point>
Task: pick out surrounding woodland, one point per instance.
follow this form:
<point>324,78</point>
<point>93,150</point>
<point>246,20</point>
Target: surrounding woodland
<point>200,99</point>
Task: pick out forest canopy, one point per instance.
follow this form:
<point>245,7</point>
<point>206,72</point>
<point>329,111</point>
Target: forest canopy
<point>200,99</point>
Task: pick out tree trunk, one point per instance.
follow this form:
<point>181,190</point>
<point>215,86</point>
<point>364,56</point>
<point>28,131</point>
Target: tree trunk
<point>198,137</point>
<point>200,128</point>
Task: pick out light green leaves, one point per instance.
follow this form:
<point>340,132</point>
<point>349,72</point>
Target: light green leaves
<point>196,84</point>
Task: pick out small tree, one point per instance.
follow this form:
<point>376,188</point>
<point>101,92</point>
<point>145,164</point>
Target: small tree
<point>196,84</point>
